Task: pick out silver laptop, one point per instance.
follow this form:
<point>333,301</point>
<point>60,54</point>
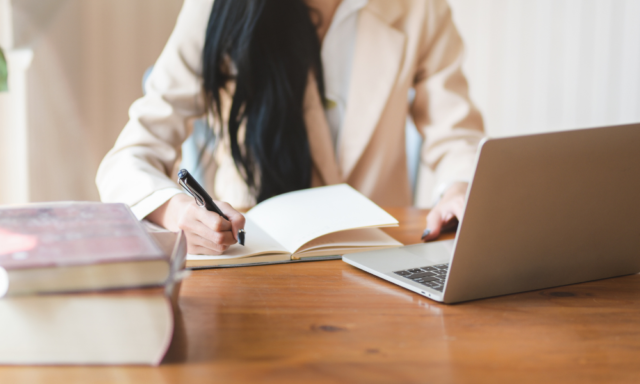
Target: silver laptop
<point>542,210</point>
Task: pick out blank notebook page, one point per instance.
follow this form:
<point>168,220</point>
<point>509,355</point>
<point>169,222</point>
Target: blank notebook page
<point>295,218</point>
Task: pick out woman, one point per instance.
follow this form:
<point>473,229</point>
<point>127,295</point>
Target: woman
<point>299,94</point>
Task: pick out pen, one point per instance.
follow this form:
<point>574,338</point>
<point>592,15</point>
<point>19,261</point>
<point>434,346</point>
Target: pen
<point>202,197</point>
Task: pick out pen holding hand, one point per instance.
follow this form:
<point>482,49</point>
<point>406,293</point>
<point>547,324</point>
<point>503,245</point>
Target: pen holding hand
<point>231,219</point>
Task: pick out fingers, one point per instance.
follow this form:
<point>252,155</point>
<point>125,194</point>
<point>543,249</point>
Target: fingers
<point>445,212</point>
<point>212,244</point>
<point>195,249</point>
<point>207,232</point>
<point>212,220</point>
<point>434,225</point>
<point>200,246</point>
<point>457,207</point>
<point>236,218</point>
<point>439,219</point>
<point>210,236</point>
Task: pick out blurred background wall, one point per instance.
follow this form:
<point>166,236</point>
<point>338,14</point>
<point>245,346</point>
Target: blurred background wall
<point>545,65</point>
<point>75,67</point>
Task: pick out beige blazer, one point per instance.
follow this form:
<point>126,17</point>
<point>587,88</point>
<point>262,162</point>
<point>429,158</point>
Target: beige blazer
<point>400,44</point>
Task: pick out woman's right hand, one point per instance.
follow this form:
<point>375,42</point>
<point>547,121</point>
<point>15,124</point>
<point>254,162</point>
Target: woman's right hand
<point>207,232</point>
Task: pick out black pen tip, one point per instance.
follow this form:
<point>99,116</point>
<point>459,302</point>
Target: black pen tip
<point>425,233</point>
<point>241,236</point>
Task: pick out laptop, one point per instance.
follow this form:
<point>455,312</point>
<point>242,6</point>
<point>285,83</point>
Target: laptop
<point>542,210</point>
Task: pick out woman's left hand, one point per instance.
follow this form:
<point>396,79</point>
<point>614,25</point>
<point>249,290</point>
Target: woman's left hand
<point>450,207</point>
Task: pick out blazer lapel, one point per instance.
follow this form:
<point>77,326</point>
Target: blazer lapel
<point>378,54</point>
<point>319,136</point>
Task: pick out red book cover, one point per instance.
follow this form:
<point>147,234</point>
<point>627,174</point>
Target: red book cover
<point>66,234</point>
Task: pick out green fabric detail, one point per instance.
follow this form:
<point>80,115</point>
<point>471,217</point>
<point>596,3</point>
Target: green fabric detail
<point>329,104</point>
<point>3,73</point>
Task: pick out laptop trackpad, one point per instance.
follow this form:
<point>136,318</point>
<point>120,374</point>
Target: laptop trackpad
<point>411,256</point>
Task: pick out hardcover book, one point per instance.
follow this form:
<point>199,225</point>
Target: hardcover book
<point>76,246</point>
<point>118,326</point>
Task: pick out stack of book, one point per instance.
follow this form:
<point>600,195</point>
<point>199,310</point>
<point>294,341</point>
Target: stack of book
<point>85,283</point>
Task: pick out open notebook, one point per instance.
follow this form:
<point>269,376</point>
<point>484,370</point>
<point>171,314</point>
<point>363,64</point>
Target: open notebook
<point>311,224</point>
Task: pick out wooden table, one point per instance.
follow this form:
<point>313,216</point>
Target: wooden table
<point>327,322</point>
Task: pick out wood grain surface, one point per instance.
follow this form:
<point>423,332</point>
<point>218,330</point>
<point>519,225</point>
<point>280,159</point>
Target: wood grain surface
<point>327,322</point>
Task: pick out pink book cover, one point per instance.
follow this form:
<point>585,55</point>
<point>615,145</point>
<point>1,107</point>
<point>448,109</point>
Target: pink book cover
<point>65,234</point>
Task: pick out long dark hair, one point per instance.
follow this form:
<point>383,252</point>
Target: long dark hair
<point>273,46</point>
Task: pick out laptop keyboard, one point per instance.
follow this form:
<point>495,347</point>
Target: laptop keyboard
<point>432,276</point>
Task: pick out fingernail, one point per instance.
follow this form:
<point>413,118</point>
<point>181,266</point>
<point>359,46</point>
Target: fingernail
<point>425,233</point>
<point>241,236</point>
